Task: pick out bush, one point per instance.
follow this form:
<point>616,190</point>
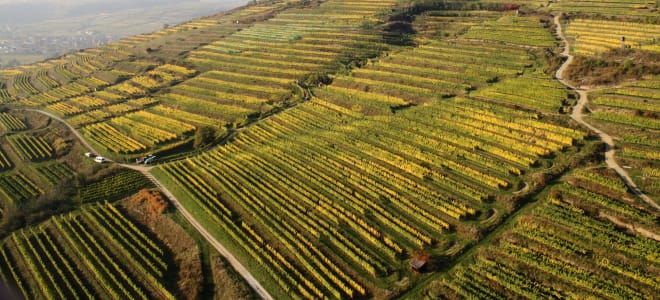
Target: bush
<point>61,147</point>
<point>204,136</point>
<point>613,67</point>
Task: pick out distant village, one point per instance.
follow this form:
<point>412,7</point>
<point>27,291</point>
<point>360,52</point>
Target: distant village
<point>13,43</point>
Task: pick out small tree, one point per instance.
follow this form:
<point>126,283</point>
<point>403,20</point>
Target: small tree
<point>203,136</point>
<point>61,146</point>
<point>316,78</point>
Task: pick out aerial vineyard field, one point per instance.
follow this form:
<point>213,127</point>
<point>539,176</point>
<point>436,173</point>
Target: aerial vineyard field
<point>51,81</point>
<point>629,113</point>
<point>4,95</point>
<point>334,146</point>
<point>55,172</point>
<point>562,249</point>
<point>5,163</point>
<point>114,187</point>
<point>60,93</point>
<point>593,36</point>
<point>620,8</point>
<point>130,131</point>
<point>514,30</point>
<point>378,156</point>
<point>119,109</point>
<point>97,252</point>
<point>93,82</point>
<point>444,23</point>
<point>21,85</point>
<point>44,79</point>
<point>111,139</point>
<point>431,71</point>
<point>265,81</point>
<point>30,147</point>
<point>11,123</point>
<point>57,79</point>
<point>256,69</point>
<point>186,117</point>
<point>322,165</point>
<point>16,188</point>
<point>147,134</point>
<point>87,102</point>
<point>64,109</point>
<point>537,93</point>
<point>108,96</point>
<point>104,258</point>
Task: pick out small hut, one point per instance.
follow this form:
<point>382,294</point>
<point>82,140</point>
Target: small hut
<point>417,265</point>
<point>419,261</point>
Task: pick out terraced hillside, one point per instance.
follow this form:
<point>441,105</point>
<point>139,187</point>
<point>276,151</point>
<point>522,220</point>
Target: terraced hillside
<point>569,246</point>
<point>628,114</point>
<point>91,87</point>
<point>593,36</point>
<point>231,80</point>
<point>381,155</point>
<point>328,148</point>
<point>619,8</point>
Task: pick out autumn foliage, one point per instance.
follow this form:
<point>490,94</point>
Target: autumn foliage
<point>153,202</point>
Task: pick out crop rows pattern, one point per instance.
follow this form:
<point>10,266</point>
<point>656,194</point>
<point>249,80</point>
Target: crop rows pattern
<point>594,36</point>
<point>98,252</point>
<point>563,250</point>
<point>630,113</point>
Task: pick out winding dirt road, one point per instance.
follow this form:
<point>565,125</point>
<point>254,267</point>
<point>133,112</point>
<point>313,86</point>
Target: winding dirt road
<point>56,118</point>
<point>145,170</point>
<point>578,116</point>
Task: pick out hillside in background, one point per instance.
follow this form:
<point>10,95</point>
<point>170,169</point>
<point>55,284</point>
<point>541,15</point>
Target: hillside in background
<point>366,149</point>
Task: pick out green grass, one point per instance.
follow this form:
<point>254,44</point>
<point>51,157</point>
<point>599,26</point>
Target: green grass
<point>203,218</point>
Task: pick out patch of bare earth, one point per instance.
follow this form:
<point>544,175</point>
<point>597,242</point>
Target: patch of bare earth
<point>227,285</point>
<point>147,207</point>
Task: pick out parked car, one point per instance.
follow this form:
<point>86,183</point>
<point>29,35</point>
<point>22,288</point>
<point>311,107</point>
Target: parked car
<point>90,154</point>
<point>99,159</point>
<point>149,159</point>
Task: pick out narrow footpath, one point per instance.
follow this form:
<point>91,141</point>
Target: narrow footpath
<point>578,116</point>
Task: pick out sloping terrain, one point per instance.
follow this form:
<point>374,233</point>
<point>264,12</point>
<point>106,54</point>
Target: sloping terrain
<point>331,147</point>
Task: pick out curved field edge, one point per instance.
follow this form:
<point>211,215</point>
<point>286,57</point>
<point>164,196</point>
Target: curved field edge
<point>201,215</point>
<point>372,111</point>
<point>559,243</point>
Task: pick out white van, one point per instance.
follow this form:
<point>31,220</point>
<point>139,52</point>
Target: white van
<point>99,159</point>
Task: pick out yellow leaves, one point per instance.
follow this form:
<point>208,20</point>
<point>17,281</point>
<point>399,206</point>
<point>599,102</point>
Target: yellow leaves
<point>593,36</point>
<point>88,101</point>
<point>64,109</point>
<point>147,133</point>
<point>128,89</point>
<point>146,82</point>
<point>112,139</point>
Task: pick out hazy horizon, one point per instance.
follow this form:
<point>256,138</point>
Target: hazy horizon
<point>29,11</point>
<point>33,30</point>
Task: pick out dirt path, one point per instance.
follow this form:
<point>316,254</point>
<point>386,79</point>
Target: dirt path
<point>642,231</point>
<point>73,130</point>
<point>145,170</point>
<point>240,269</point>
<point>491,218</point>
<point>578,116</point>
<point>525,188</point>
